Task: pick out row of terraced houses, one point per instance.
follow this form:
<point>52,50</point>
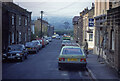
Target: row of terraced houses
<point>17,27</point>
<point>100,25</point>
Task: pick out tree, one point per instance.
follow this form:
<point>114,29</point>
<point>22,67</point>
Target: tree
<point>66,25</point>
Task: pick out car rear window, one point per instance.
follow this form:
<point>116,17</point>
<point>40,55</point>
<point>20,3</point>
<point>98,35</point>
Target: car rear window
<point>30,44</point>
<point>66,41</point>
<point>74,51</point>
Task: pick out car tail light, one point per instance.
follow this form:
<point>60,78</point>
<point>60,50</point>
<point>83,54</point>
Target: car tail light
<point>83,60</point>
<point>20,53</point>
<point>61,59</point>
<point>34,48</point>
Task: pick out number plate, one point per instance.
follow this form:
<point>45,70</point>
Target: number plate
<point>11,57</point>
<point>28,48</point>
<point>72,59</point>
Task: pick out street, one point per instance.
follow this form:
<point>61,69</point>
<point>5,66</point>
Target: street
<point>42,65</point>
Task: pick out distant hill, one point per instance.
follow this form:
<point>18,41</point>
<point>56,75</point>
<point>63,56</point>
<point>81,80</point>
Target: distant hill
<point>58,22</point>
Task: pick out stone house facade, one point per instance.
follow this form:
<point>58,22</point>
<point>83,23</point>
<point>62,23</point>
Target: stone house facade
<point>113,45</point>
<point>38,27</point>
<point>16,24</point>
<point>75,24</point>
<point>107,32</point>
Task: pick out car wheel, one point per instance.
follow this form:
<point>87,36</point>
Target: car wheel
<point>26,57</point>
<point>22,59</point>
<point>59,68</point>
<point>36,51</point>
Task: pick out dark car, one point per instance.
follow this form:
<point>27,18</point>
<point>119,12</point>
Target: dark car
<point>17,52</point>
<point>32,47</point>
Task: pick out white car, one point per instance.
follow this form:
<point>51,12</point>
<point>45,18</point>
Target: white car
<point>38,43</point>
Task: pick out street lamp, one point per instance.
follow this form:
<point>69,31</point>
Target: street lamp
<point>41,22</point>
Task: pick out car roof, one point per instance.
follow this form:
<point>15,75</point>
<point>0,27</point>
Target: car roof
<point>71,47</point>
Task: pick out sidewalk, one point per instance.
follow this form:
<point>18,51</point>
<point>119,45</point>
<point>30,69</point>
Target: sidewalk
<point>98,70</point>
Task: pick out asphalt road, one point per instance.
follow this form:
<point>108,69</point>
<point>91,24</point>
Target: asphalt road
<point>42,65</point>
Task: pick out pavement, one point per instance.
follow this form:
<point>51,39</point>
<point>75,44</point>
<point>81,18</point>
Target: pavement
<point>100,70</point>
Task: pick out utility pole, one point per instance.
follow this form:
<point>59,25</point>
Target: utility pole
<point>41,22</point>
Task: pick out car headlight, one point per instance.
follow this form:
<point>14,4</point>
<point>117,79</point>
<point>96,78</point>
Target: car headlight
<point>4,54</point>
<point>18,54</point>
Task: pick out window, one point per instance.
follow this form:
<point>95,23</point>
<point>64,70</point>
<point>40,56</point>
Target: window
<point>12,37</point>
<point>19,20</point>
<point>25,22</point>
<point>19,36</point>
<point>91,37</point>
<point>98,37</point>
<point>13,20</point>
<point>73,51</point>
<point>112,40</point>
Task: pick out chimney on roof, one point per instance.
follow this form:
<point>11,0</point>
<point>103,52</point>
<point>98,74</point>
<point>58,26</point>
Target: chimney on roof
<point>93,5</point>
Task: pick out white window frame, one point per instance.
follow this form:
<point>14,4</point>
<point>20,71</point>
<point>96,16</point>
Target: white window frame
<point>113,40</point>
<point>25,22</point>
<point>19,36</point>
<point>13,19</point>
<point>20,20</point>
<point>92,36</point>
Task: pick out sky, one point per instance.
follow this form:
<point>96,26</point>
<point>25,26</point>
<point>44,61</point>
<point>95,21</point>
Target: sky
<point>56,12</point>
<point>62,8</point>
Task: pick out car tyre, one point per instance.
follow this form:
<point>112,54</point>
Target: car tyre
<point>22,59</point>
<point>36,51</point>
<point>59,68</point>
<point>26,57</point>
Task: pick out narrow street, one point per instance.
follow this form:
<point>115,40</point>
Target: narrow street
<point>42,65</point>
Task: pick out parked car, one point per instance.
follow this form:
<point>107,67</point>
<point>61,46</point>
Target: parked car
<point>72,44</point>
<point>53,36</point>
<point>15,52</point>
<point>70,56</point>
<point>47,40</point>
<point>65,37</point>
<point>65,42</point>
<point>38,43</point>
<point>32,47</point>
<point>57,37</point>
<point>50,39</point>
<point>43,42</point>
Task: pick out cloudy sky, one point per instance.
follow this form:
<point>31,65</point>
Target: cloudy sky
<point>54,7</point>
<point>56,12</point>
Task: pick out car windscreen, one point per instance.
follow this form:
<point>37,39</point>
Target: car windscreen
<point>15,48</point>
<point>74,51</point>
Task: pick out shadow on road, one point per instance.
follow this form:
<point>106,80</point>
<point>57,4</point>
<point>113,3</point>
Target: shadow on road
<point>74,69</point>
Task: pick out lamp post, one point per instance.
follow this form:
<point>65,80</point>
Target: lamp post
<point>41,23</point>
